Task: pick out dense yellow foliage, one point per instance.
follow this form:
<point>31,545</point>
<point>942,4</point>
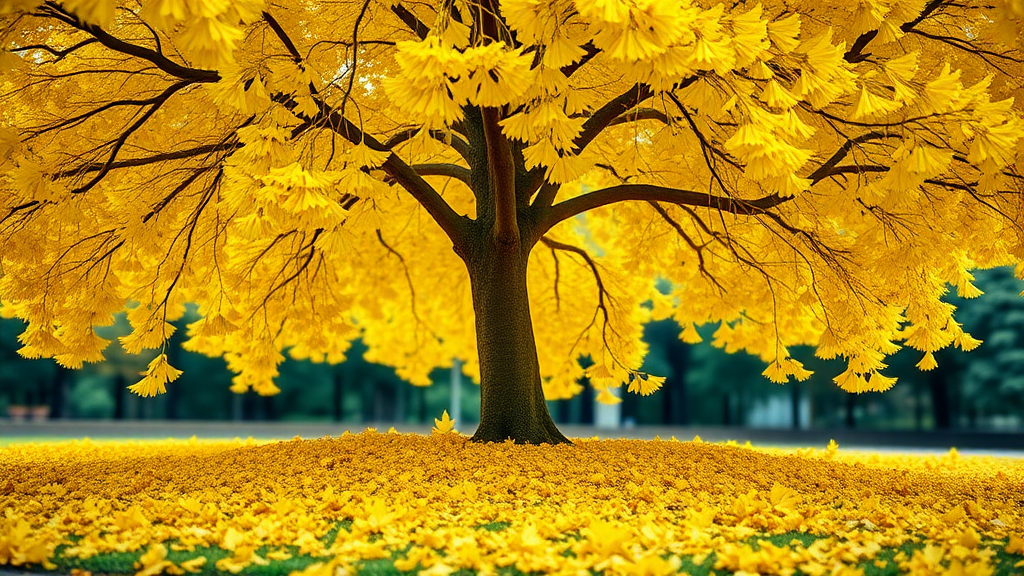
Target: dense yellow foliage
<point>625,506</point>
<point>803,172</point>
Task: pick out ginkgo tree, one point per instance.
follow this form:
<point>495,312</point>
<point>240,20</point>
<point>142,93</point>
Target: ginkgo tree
<point>505,182</point>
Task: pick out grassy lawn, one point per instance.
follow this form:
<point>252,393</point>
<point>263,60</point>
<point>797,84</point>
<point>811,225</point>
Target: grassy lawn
<point>388,504</point>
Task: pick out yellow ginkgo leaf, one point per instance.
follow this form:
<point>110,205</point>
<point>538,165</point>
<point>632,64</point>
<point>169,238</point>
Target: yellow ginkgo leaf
<point>155,378</point>
<point>904,67</point>
<point>193,565</point>
<point>954,515</point>
<point>444,425</point>
<point>927,363</point>
<point>869,104</point>
<point>606,397</point>
<point>1015,545</point>
<point>784,33</point>
<point>647,384</point>
<point>154,561</point>
<point>784,498</point>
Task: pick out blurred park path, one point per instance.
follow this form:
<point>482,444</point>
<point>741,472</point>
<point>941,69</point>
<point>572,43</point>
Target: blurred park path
<point>966,442</point>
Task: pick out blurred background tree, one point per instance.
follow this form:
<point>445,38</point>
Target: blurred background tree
<point>704,385</point>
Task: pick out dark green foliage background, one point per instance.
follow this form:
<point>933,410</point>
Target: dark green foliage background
<point>706,386</point>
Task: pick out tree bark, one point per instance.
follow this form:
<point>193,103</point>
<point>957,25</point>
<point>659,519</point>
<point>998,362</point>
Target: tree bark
<point>118,393</point>
<point>59,393</point>
<point>941,405</point>
<point>587,402</point>
<point>851,405</point>
<point>511,397</point>
<point>676,403</point>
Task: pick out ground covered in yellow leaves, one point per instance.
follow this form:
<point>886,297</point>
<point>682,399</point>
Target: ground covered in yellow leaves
<point>388,503</point>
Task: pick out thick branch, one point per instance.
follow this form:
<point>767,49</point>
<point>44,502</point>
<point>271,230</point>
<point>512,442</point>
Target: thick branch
<point>410,20</point>
<point>606,114</point>
<point>591,51</point>
<point>457,143</point>
<point>616,107</point>
<point>641,114</point>
<point>58,54</point>
<point>651,193</point>
<point>856,52</point>
<point>285,39</point>
<point>604,117</point>
<point>424,193</point>
<point>612,113</point>
<point>452,224</point>
<point>394,167</point>
<point>34,204</point>
<point>546,195</point>
<point>159,60</point>
<point>502,178</point>
<point>444,169</point>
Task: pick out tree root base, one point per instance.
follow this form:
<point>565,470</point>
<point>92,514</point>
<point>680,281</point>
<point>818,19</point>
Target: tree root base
<point>536,436</point>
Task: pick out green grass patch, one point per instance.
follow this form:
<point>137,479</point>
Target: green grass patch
<point>494,526</point>
<point>123,563</point>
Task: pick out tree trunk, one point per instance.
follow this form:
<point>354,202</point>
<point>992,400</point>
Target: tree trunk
<point>511,398</point>
<point>851,405</point>
<point>59,393</point>
<point>941,405</point>
<point>677,412</point>
<point>118,393</point>
<point>587,402</point>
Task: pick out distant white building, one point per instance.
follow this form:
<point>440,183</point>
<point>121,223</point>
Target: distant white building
<point>608,415</point>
